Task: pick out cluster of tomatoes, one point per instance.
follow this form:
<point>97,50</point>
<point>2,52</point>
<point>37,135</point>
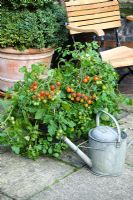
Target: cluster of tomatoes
<point>79,97</point>
<point>87,79</point>
<point>43,95</point>
<point>34,86</point>
<point>96,79</point>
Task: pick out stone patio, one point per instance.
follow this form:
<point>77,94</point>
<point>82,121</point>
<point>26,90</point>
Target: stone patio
<point>66,178</point>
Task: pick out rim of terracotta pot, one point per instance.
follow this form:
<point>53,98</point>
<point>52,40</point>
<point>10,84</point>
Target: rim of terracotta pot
<point>11,50</point>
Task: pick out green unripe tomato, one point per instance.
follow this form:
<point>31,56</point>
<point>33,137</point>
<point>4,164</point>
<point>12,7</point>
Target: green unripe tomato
<point>86,105</point>
<point>72,85</point>
<point>12,118</point>
<point>37,103</point>
<point>60,131</point>
<point>82,100</point>
<point>69,96</point>
<point>44,101</point>
<point>99,82</point>
<point>104,87</point>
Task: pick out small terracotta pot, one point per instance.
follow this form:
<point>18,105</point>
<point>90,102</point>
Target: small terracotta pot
<point>11,60</point>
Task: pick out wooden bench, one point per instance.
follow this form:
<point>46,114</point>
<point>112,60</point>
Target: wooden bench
<point>96,16</point>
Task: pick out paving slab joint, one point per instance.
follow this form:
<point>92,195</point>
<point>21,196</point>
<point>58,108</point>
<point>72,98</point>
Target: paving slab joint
<point>6,195</point>
<point>55,182</point>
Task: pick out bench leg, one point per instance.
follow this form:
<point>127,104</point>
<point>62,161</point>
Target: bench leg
<point>124,75</point>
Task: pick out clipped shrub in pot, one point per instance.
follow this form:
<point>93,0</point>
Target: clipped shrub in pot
<point>30,30</point>
<point>40,112</point>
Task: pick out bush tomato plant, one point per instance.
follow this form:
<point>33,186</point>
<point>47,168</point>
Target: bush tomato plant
<point>41,110</point>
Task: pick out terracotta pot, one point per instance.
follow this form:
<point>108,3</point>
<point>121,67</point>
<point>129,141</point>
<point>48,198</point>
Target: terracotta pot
<point>11,60</point>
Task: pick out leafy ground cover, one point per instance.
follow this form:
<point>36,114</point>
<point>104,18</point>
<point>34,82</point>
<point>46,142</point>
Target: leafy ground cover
<point>41,111</point>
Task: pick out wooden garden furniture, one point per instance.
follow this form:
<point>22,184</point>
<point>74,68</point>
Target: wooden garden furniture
<point>95,16</point>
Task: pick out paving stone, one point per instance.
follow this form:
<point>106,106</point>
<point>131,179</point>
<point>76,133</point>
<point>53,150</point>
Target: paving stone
<point>126,108</point>
<point>129,156</point>
<point>3,197</point>
<point>122,114</point>
<point>82,185</point>
<point>21,178</point>
<point>72,158</point>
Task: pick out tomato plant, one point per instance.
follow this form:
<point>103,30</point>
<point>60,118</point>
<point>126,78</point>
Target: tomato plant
<point>40,111</point>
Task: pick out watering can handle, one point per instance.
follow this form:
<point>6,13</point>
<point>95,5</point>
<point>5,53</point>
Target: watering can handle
<point>113,118</point>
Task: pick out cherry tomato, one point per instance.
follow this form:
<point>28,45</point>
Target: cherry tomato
<point>44,101</point>
<point>42,93</point>
<point>82,100</point>
<point>104,87</point>
<point>68,89</point>
<point>35,83</point>
<point>89,102</point>
<point>78,94</point>
<point>69,96</point>
<point>72,90</point>
<point>87,77</point>
<point>93,96</point>
<point>74,94</point>
<point>52,87</point>
<point>12,118</point>
<point>86,105</point>
<point>83,95</point>
<point>72,98</point>
<point>60,131</point>
<point>98,82</point>
<point>58,84</point>
<point>34,87</point>
<point>77,99</point>
<point>86,98</point>
<point>95,78</point>
<point>46,93</point>
<point>41,97</point>
<point>49,96</point>
<point>85,80</point>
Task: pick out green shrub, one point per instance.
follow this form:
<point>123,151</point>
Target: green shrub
<point>65,103</point>
<point>24,29</point>
<point>25,3</point>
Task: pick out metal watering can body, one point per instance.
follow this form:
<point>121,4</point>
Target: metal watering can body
<point>107,148</point>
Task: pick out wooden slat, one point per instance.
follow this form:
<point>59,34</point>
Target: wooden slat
<point>95,16</point>
<point>118,57</point>
<point>93,11</point>
<point>107,25</point>
<point>130,17</point>
<point>91,6</point>
<point>95,21</point>
<point>83,2</point>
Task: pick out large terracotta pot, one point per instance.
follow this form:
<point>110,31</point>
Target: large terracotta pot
<point>11,60</point>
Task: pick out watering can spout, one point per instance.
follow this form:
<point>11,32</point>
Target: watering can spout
<point>81,154</point>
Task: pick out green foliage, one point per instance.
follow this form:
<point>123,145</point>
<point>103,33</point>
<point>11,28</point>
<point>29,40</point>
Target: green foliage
<point>38,28</point>
<point>42,110</point>
<point>25,3</point>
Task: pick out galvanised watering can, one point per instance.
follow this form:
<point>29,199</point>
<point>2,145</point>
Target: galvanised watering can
<point>106,148</point>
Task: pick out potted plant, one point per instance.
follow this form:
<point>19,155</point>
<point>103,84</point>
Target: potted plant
<point>30,30</point>
<point>40,112</point>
